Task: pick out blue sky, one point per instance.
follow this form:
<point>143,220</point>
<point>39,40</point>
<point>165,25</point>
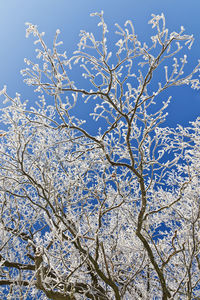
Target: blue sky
<point>72,15</point>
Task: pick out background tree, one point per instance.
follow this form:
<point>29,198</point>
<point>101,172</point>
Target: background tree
<point>108,215</point>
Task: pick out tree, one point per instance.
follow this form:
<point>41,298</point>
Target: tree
<point>112,214</point>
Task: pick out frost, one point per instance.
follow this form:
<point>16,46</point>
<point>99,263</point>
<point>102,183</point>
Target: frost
<point>107,208</point>
<point>3,91</point>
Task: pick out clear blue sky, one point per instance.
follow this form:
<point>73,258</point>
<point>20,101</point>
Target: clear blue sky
<point>72,15</point>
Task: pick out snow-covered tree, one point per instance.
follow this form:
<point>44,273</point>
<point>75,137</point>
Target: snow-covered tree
<point>106,214</point>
